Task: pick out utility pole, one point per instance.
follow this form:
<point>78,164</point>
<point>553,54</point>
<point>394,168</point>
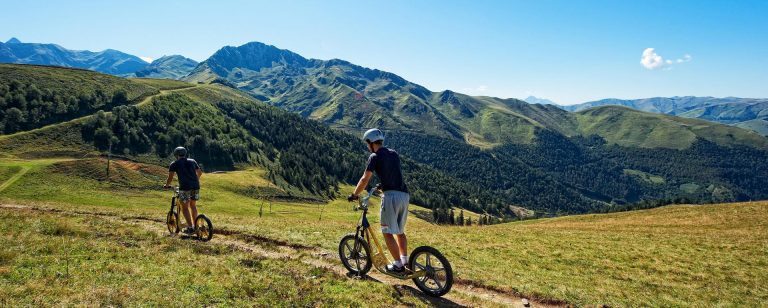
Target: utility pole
<point>109,157</point>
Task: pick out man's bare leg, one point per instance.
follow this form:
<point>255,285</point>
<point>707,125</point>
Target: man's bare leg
<point>185,211</point>
<point>392,246</point>
<point>402,244</point>
<point>193,208</point>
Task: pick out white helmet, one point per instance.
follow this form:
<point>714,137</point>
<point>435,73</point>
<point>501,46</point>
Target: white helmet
<point>373,135</point>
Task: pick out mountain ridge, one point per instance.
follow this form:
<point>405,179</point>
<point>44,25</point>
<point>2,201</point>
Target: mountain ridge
<point>169,67</point>
<point>748,113</point>
<point>343,94</point>
<point>108,61</point>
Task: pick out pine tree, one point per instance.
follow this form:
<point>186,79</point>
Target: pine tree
<point>452,218</point>
<point>460,221</point>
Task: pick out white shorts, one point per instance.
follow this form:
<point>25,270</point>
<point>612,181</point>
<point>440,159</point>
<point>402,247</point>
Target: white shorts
<point>394,211</point>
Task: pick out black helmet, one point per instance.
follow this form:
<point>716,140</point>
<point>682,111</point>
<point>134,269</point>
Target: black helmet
<point>180,152</point>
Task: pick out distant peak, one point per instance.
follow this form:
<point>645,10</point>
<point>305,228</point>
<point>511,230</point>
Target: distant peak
<point>445,95</point>
<point>13,40</point>
<point>538,100</point>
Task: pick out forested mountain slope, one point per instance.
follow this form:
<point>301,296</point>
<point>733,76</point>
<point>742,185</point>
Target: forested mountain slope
<point>223,128</point>
<point>34,96</point>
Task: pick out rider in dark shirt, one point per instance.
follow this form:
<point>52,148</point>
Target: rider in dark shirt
<point>189,185</point>
<point>394,203</point>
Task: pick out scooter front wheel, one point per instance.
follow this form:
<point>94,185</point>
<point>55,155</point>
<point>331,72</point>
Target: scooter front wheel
<point>437,278</point>
<point>355,254</point>
<point>204,228</point>
<point>172,222</point>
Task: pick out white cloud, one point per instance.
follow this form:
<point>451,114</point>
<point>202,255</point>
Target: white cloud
<point>651,60</point>
<point>148,59</point>
<point>685,58</point>
<point>476,90</point>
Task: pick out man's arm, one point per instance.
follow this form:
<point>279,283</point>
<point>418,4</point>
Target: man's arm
<point>199,173</point>
<point>170,178</point>
<point>363,182</point>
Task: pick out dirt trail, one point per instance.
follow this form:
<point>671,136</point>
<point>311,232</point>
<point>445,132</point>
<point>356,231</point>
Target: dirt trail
<point>14,178</point>
<point>274,249</point>
<point>162,92</point>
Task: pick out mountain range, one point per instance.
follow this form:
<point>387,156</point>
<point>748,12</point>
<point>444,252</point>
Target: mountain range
<point>748,113</point>
<point>569,161</point>
<point>498,152</point>
<point>349,96</point>
<point>109,61</point>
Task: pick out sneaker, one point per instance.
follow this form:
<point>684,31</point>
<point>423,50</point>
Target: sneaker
<point>188,230</point>
<point>394,269</point>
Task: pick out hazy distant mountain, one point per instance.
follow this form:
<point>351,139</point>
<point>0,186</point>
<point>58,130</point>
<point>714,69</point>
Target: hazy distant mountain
<point>173,67</point>
<point>748,113</point>
<point>108,61</point>
<point>536,100</point>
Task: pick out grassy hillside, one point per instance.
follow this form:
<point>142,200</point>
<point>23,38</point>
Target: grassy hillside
<point>35,96</point>
<point>758,125</point>
<point>629,127</point>
<point>740,112</point>
<point>671,256</point>
<point>162,84</point>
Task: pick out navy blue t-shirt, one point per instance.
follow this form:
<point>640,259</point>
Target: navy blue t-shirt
<point>186,170</point>
<point>386,163</point>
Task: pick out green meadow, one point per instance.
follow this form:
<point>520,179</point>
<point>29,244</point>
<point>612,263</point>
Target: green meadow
<point>697,255</point>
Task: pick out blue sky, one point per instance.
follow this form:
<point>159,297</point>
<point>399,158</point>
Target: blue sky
<point>567,51</point>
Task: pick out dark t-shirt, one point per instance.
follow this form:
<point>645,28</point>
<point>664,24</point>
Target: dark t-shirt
<point>386,163</point>
<point>186,170</point>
